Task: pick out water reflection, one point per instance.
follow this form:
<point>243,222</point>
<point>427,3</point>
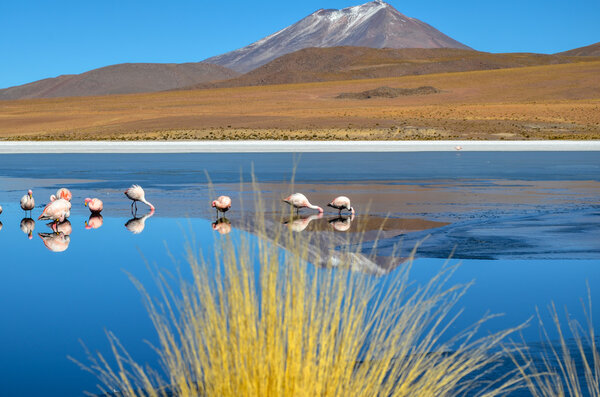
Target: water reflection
<point>95,221</point>
<point>136,225</point>
<point>222,225</point>
<point>341,223</point>
<point>1,225</point>
<point>300,222</point>
<point>61,227</point>
<point>28,226</point>
<point>55,242</point>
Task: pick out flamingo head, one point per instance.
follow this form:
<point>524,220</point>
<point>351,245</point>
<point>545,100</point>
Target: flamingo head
<point>30,193</point>
<point>287,199</point>
<point>320,210</point>
<point>87,200</point>
<point>214,203</point>
<point>52,198</point>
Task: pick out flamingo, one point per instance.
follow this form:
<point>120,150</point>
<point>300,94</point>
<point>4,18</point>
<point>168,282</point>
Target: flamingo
<point>136,193</point>
<point>57,211</point>
<point>0,209</point>
<point>27,226</point>
<point>27,201</point>
<point>62,193</point>
<point>94,222</point>
<point>95,205</point>
<point>222,204</point>
<point>341,203</point>
<point>298,200</point>
<point>56,242</point>
<point>136,225</point>
<point>1,225</point>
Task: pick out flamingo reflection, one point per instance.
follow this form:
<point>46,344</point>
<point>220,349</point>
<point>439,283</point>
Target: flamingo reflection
<point>27,227</point>
<point>1,225</point>
<point>136,225</point>
<point>55,242</point>
<point>341,223</point>
<point>94,221</point>
<point>61,227</point>
<point>299,223</point>
<point>222,225</point>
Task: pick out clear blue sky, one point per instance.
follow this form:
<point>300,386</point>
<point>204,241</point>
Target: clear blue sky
<point>40,39</point>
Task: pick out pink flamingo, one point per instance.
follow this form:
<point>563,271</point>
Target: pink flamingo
<point>94,222</point>
<point>298,200</point>
<point>95,205</point>
<point>57,211</point>
<point>341,203</point>
<point>136,193</point>
<point>62,193</point>
<point>27,201</point>
<point>222,204</point>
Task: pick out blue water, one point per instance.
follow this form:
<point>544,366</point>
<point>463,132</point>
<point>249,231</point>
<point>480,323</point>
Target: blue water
<point>519,255</point>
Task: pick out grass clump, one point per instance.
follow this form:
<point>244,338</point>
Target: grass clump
<point>258,320</point>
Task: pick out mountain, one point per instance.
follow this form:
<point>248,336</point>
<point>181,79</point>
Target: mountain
<point>592,50</point>
<point>125,78</point>
<point>375,24</point>
<point>349,63</point>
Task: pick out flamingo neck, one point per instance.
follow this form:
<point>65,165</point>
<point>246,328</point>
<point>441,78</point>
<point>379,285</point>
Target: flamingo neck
<point>352,210</point>
<point>315,207</point>
<point>148,204</point>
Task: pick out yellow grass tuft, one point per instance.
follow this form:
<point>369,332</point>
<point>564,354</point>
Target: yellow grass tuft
<point>258,320</point>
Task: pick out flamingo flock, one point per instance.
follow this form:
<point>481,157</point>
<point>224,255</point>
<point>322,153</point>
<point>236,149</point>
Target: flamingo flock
<point>58,210</point>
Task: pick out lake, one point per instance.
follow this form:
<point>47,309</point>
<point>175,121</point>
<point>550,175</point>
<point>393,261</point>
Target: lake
<point>524,225</point>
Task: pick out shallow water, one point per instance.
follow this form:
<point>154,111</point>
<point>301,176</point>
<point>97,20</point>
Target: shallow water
<point>526,227</point>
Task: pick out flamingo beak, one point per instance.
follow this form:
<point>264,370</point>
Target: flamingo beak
<point>85,204</point>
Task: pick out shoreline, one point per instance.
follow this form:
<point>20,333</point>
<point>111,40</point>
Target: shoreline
<point>63,147</point>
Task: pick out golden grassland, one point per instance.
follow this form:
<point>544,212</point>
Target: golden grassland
<point>538,102</point>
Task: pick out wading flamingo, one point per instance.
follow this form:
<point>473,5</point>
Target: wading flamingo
<point>27,226</point>
<point>57,211</point>
<point>27,202</point>
<point>341,203</point>
<point>95,205</point>
<point>298,200</point>
<point>222,204</point>
<point>136,193</point>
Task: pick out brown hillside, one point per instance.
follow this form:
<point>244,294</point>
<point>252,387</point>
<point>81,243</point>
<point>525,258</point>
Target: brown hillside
<point>538,102</point>
<point>124,78</point>
<point>592,50</point>
<point>350,63</point>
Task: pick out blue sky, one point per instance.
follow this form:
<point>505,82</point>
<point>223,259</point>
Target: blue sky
<point>40,39</point>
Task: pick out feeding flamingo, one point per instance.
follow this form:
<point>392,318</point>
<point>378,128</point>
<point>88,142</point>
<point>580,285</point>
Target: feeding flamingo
<point>298,200</point>
<point>27,201</point>
<point>222,204</point>
<point>57,211</point>
<point>341,203</point>
<point>136,193</point>
<point>95,205</point>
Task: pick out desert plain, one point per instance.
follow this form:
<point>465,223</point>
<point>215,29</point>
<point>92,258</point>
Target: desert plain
<point>558,101</point>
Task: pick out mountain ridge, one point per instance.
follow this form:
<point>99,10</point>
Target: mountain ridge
<point>375,24</point>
